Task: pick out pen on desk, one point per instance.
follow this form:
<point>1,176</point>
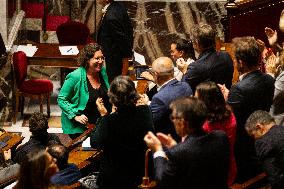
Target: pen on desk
<point>69,49</point>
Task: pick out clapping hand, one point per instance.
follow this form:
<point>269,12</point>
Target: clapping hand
<point>271,35</point>
<point>101,107</point>
<point>147,75</point>
<point>182,65</point>
<point>153,142</point>
<point>224,91</point>
<point>143,100</point>
<point>166,140</point>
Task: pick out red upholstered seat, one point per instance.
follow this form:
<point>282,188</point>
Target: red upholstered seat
<point>73,33</point>
<point>36,86</point>
<point>33,10</point>
<point>33,88</point>
<point>53,21</point>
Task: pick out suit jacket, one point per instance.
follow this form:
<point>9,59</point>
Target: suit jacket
<point>160,105</point>
<point>73,98</point>
<point>67,176</point>
<point>254,92</point>
<point>120,136</point>
<point>210,66</point>
<point>115,35</point>
<point>200,162</point>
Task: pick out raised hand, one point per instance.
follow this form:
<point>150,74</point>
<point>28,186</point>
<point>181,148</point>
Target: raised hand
<point>101,107</point>
<point>182,65</point>
<point>143,100</point>
<point>147,75</point>
<point>271,35</point>
<point>166,140</point>
<point>153,142</point>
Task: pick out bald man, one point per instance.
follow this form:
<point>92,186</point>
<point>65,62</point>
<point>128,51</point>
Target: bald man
<point>169,89</point>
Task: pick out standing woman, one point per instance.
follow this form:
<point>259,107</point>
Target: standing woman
<point>120,136</point>
<point>219,117</point>
<point>82,87</point>
<point>183,54</point>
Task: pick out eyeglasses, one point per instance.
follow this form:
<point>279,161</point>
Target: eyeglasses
<point>100,58</point>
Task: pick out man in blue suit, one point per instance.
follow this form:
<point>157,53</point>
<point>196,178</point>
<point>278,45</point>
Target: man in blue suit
<point>169,89</point>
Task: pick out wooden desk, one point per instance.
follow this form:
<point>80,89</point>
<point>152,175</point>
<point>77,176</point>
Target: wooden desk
<point>83,158</point>
<point>13,142</point>
<point>48,55</point>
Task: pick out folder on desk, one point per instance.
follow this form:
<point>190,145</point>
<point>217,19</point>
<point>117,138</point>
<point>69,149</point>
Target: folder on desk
<point>29,50</point>
<point>68,50</point>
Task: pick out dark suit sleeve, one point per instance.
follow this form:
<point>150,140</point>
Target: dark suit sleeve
<point>120,36</point>
<point>235,100</point>
<point>193,77</point>
<point>165,172</point>
<point>158,109</point>
<point>99,134</point>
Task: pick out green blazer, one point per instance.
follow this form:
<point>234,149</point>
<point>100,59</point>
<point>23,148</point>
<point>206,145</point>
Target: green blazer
<point>73,98</point>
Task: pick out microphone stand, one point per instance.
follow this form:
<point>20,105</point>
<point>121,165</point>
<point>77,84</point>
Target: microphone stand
<point>146,184</point>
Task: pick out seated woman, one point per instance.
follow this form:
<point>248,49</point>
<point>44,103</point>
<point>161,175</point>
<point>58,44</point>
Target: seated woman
<point>82,87</point>
<point>219,117</point>
<point>182,53</point>
<point>36,171</point>
<point>120,136</point>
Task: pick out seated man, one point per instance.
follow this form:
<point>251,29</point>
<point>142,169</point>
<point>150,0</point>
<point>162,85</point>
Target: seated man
<point>40,138</point>
<point>68,173</point>
<point>169,89</point>
<point>201,160</point>
<point>269,145</point>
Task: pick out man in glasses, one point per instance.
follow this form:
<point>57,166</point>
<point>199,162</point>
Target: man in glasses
<point>201,160</point>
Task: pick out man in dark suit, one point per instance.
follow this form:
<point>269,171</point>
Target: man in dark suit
<point>269,145</point>
<point>115,35</point>
<point>253,92</point>
<point>201,160</point>
<point>210,65</point>
<point>68,173</point>
<point>169,89</point>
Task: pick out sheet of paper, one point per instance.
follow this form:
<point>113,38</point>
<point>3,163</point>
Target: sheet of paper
<point>29,50</point>
<point>68,50</point>
<point>139,58</point>
<point>87,142</point>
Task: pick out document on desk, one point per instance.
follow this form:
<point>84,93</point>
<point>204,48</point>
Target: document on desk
<point>87,142</point>
<point>68,50</point>
<point>139,58</point>
<point>29,50</point>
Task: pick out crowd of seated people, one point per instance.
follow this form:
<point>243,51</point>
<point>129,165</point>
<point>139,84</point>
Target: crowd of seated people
<point>211,140</point>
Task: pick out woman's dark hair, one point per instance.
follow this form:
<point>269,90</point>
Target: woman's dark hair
<point>122,92</point>
<point>87,53</point>
<point>35,171</point>
<point>213,98</point>
<point>185,46</point>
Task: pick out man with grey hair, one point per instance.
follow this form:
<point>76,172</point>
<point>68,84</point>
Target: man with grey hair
<point>169,89</point>
<point>210,65</point>
<point>269,145</point>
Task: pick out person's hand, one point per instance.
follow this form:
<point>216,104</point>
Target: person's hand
<point>113,109</point>
<point>153,142</point>
<point>7,154</point>
<point>81,119</point>
<point>147,75</point>
<point>143,100</point>
<point>224,91</point>
<point>271,35</point>
<point>166,140</point>
<point>101,107</point>
<point>261,45</point>
<point>182,65</point>
<point>270,65</point>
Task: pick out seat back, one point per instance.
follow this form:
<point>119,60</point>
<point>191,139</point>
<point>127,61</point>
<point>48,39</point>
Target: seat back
<point>20,67</point>
<point>73,33</point>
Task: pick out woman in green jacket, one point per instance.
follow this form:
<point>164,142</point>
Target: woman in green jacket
<point>81,88</point>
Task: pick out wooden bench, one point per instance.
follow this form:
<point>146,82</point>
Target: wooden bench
<point>254,182</point>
